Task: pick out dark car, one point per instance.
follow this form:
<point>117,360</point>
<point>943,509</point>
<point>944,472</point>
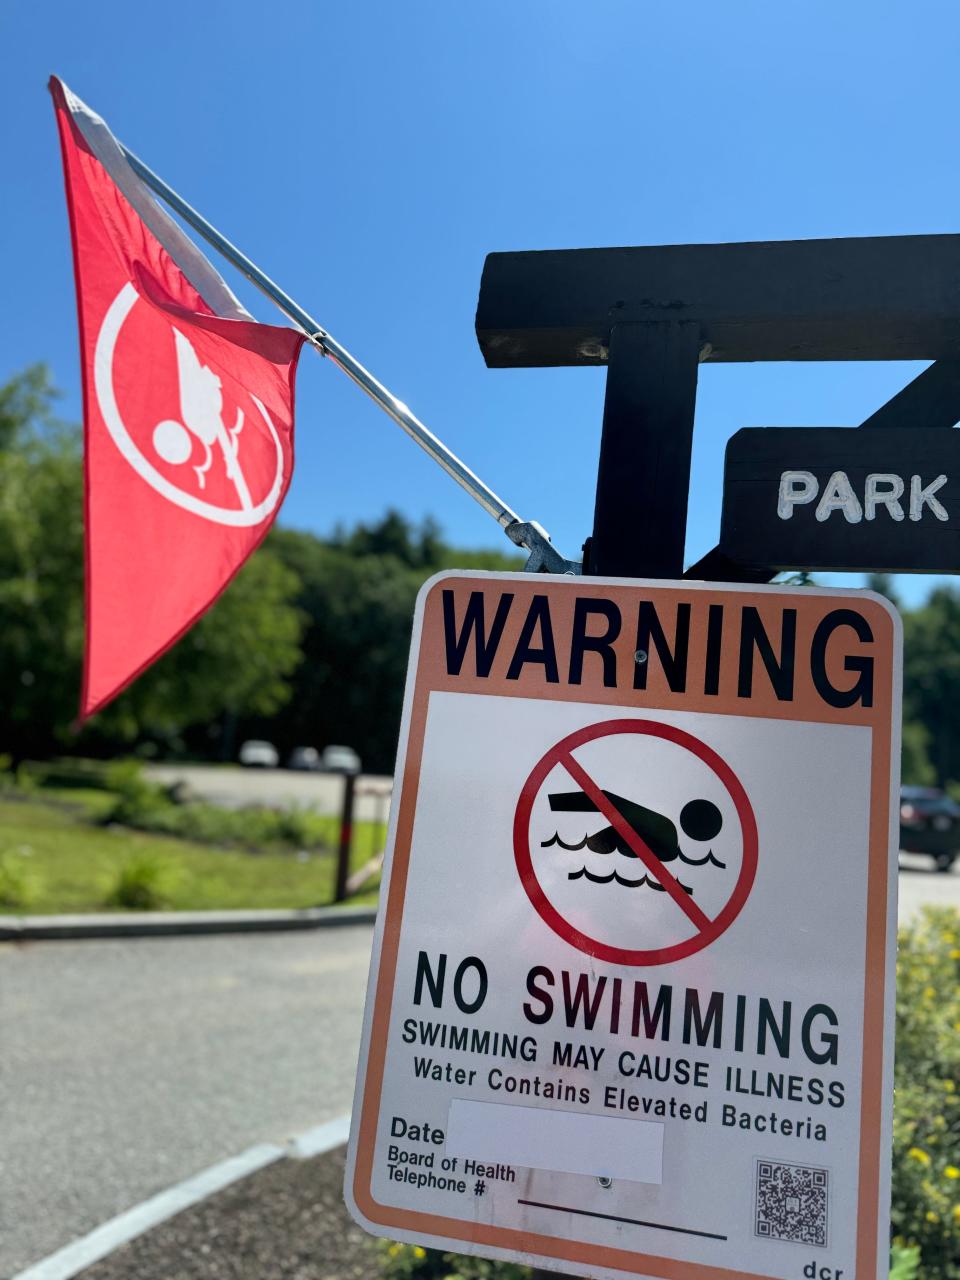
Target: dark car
<point>304,758</point>
<point>930,823</point>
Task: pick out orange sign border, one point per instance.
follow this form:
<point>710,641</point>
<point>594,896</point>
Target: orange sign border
<point>426,675</point>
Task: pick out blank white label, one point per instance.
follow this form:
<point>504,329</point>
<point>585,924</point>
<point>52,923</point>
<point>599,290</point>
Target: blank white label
<point>562,1141</point>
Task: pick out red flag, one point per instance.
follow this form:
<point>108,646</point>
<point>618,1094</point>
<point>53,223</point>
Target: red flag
<point>188,413</point>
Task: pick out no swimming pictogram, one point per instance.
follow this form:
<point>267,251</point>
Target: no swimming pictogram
<point>635,842</point>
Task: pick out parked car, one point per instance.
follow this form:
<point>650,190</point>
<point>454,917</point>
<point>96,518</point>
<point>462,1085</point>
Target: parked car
<point>930,823</point>
<point>305,758</point>
<point>340,760</point>
<point>257,754</point>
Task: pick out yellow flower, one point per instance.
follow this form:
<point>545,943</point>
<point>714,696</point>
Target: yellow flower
<point>928,993</point>
<point>949,1086</point>
<point>418,1252</point>
<point>955,954</point>
<point>956,1213</point>
<point>951,1171</point>
<point>932,1217</point>
<point>921,1157</point>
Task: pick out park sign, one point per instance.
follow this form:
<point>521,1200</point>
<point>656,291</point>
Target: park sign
<point>835,498</point>
<point>630,1008</point>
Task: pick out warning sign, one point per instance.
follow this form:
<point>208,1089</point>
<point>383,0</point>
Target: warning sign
<point>630,1008</point>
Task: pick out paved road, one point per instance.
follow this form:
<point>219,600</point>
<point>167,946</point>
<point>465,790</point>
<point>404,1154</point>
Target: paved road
<point>127,1066</point>
<point>921,886</point>
<point>233,787</point>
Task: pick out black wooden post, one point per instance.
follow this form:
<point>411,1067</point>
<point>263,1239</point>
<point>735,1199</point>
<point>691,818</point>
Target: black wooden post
<point>640,518</point>
<point>346,837</point>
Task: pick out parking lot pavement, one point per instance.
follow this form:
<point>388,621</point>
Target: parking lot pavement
<point>233,787</point>
<point>921,885</point>
<point>126,1066</point>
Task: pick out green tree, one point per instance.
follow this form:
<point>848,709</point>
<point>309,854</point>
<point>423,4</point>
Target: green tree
<point>237,659</point>
<point>417,546</point>
<point>915,766</point>
<point>393,536</point>
<point>931,677</point>
<point>884,585</point>
<point>358,590</point>
<point>349,687</point>
<point>41,566</point>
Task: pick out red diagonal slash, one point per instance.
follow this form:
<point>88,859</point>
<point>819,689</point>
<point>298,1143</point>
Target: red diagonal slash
<point>626,833</point>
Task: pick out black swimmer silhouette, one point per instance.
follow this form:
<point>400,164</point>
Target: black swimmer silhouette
<point>699,820</point>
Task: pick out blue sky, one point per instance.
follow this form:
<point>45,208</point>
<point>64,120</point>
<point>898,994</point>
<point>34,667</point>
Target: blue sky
<point>369,155</point>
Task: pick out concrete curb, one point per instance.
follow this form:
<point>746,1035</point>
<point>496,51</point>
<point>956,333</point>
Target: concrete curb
<point>156,924</point>
<point>99,1243</point>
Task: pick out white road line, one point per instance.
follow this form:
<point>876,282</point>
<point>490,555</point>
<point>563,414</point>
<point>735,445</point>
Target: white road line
<point>103,1240</point>
<point>323,1138</point>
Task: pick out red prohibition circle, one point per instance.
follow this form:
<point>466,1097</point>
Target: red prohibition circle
<point>594,946</point>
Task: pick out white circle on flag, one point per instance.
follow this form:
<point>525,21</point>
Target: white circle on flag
<point>169,443</point>
<point>172,441</point>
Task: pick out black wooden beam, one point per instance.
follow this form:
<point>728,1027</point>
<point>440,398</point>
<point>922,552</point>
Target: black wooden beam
<point>932,399</point>
<point>716,567</point>
<point>879,298</point>
<point>640,517</point>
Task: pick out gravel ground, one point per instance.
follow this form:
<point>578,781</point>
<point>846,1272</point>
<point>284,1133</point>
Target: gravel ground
<point>287,1222</point>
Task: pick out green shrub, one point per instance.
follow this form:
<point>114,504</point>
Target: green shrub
<point>254,827</point>
<point>297,827</point>
<point>24,779</point>
<point>904,1263</point>
<point>926,1126</point>
<point>147,806</point>
<point>143,884</point>
<point>411,1262</point>
<point>64,774</point>
<point>17,889</point>
<point>136,798</point>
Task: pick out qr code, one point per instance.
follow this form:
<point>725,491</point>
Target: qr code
<point>792,1202</point>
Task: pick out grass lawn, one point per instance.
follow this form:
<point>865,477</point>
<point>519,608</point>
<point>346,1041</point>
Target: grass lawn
<point>65,864</point>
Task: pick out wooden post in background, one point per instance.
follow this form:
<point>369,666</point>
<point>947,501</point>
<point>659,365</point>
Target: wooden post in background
<point>346,837</point>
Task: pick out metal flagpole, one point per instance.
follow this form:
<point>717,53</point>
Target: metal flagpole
<point>544,557</point>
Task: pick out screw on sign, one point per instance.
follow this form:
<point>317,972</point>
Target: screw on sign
<point>650,854</point>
